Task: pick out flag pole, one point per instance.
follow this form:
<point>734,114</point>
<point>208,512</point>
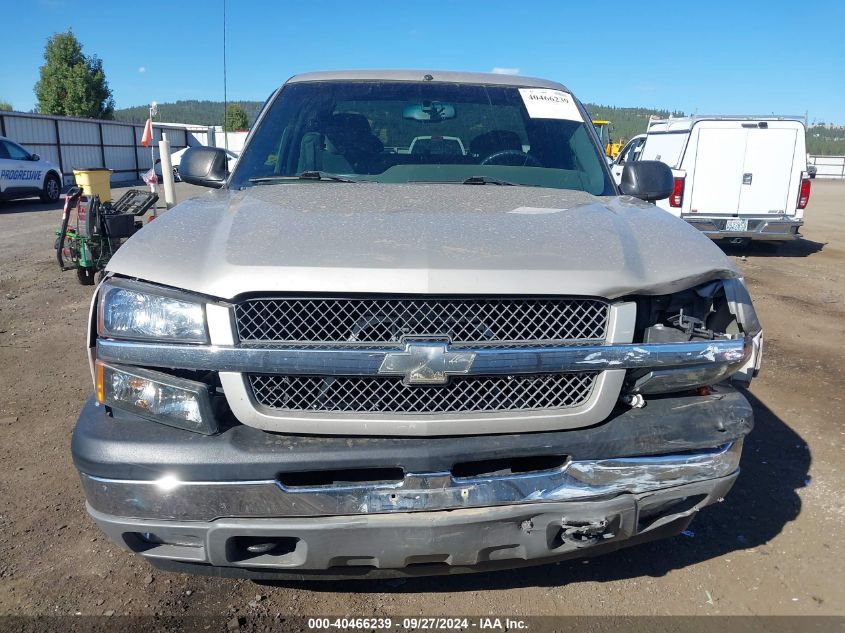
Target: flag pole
<point>225,91</point>
<point>153,112</point>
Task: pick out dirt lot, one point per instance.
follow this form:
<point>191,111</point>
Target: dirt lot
<point>773,547</point>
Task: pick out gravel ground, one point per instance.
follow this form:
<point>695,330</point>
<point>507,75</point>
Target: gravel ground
<point>773,547</point>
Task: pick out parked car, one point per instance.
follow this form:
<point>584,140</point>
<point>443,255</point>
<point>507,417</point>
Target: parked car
<point>353,360</point>
<point>24,175</point>
<point>736,178</point>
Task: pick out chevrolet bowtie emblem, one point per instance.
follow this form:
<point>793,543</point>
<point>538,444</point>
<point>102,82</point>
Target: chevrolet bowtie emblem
<point>426,363</point>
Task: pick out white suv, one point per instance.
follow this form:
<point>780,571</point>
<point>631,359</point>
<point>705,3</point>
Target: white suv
<point>23,174</point>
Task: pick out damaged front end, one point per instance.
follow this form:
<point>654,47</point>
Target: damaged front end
<point>658,437</point>
<point>719,310</point>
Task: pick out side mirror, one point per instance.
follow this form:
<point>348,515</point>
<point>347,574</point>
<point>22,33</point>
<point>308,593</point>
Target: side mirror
<point>648,180</point>
<point>204,166</point>
<point>34,157</point>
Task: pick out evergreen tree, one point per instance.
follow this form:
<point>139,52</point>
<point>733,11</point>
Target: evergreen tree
<point>236,118</point>
<point>71,83</point>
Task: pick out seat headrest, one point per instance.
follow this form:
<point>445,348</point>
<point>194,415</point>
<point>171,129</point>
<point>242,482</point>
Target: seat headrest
<point>495,141</point>
<point>350,131</point>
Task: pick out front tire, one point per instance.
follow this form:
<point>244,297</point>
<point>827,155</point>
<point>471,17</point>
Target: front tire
<point>52,189</point>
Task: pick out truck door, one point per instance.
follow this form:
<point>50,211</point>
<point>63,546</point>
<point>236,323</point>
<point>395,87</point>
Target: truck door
<point>717,172</point>
<point>17,170</point>
<point>629,153</point>
<point>766,174</point>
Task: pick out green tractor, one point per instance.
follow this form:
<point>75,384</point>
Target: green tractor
<point>92,231</point>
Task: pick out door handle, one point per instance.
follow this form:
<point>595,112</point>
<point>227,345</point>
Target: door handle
<point>746,179</point>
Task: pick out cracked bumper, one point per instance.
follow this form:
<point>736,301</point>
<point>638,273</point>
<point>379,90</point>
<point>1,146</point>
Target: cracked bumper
<point>424,524</point>
<point>407,543</point>
<point>217,504</point>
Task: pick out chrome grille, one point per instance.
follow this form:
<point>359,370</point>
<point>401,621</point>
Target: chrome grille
<point>386,321</point>
<point>389,394</point>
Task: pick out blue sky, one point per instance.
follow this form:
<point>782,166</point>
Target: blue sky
<point>720,57</point>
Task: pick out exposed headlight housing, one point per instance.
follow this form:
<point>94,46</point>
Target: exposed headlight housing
<point>715,310</point>
<point>158,396</point>
<point>139,311</point>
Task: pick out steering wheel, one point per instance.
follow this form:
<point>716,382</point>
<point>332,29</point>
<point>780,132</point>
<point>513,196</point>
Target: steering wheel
<point>526,159</point>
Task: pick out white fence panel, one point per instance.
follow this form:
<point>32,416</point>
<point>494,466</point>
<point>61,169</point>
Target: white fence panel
<point>47,152</point>
<point>114,134</point>
<point>144,158</point>
<point>74,143</point>
<point>80,157</point>
<point>30,130</point>
<point>197,138</point>
<point>121,159</point>
<point>828,166</point>
<point>79,133</point>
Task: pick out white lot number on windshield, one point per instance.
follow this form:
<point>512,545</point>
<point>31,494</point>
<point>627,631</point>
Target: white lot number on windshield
<point>544,103</point>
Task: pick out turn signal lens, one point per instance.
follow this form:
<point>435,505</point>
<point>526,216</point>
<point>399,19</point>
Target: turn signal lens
<point>157,396</point>
<point>677,197</point>
<point>101,398</point>
<point>804,196</point>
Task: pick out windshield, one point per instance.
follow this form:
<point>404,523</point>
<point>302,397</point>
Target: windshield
<point>400,131</point>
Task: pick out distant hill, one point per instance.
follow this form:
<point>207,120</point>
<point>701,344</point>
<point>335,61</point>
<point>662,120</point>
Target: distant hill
<point>822,139</point>
<point>826,140</point>
<point>195,112</point>
<point>625,122</point>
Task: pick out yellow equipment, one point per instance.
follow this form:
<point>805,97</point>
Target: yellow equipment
<point>95,181</point>
<point>611,148</point>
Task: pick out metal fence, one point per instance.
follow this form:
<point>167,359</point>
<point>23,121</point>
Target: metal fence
<point>75,143</point>
<point>828,166</point>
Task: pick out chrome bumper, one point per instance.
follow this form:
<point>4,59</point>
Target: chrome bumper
<point>545,525</point>
<point>361,362</point>
<point>168,498</point>
<point>758,228</point>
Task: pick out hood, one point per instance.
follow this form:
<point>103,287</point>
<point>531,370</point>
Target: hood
<point>331,237</point>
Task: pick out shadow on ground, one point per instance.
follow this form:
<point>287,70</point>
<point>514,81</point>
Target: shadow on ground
<point>28,205</point>
<point>794,248</point>
<point>775,464</point>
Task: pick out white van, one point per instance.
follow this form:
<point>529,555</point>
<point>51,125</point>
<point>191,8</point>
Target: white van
<point>736,177</point>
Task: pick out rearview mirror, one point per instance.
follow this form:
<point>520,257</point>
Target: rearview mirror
<point>648,180</point>
<point>429,111</point>
<point>204,166</point>
<point>34,157</point>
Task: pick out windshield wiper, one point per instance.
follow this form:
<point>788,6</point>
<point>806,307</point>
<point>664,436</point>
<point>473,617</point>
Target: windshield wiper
<point>306,175</point>
<point>484,180</point>
<point>324,175</point>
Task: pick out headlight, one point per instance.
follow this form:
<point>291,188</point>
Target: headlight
<point>160,397</point>
<point>134,310</point>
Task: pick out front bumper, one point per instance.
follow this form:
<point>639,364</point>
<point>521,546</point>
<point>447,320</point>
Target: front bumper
<point>771,229</point>
<point>413,543</point>
<point>203,501</point>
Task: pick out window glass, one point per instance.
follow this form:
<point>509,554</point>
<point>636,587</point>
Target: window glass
<point>403,131</point>
<point>666,148</point>
<point>15,151</point>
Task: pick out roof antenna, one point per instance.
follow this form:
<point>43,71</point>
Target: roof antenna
<point>225,93</point>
